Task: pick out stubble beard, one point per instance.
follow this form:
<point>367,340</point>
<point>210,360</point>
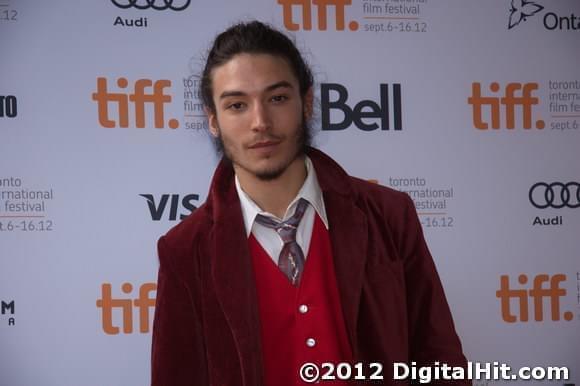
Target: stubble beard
<point>302,142</point>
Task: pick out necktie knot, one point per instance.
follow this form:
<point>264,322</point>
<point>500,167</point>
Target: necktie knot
<point>291,259</point>
<point>290,225</point>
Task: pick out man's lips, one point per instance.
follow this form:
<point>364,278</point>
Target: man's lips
<point>263,144</point>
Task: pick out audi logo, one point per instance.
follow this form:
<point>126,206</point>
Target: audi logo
<point>555,195</point>
<point>155,4</point>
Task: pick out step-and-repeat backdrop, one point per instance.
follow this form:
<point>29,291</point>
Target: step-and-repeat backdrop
<point>473,108</point>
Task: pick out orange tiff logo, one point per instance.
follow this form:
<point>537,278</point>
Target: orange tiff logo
<point>537,293</point>
<point>322,8</point>
<point>143,303</point>
<point>515,95</point>
<point>145,92</point>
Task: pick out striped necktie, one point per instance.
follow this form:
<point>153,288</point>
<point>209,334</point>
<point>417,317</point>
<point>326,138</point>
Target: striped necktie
<point>291,259</point>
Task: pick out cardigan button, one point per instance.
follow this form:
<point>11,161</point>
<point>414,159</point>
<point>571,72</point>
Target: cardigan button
<point>310,342</point>
<point>303,309</point>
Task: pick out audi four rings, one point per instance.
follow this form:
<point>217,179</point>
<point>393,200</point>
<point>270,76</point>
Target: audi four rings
<point>555,195</point>
<point>155,4</point>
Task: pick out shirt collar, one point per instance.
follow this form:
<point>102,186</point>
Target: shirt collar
<point>310,191</point>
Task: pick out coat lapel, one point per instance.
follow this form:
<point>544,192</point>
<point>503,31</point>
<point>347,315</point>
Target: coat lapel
<point>347,227</point>
<point>233,275</point>
<point>348,236</point>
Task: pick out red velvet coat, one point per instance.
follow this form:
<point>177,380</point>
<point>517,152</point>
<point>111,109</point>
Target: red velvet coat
<point>206,329</point>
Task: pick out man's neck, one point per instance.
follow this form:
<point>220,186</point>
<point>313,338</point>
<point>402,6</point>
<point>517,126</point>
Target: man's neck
<point>275,195</point>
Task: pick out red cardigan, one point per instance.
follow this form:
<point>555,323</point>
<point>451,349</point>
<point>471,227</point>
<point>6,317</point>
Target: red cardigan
<point>284,328</point>
<point>207,326</point>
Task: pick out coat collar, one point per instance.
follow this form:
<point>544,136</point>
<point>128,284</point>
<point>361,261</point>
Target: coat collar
<point>231,261</point>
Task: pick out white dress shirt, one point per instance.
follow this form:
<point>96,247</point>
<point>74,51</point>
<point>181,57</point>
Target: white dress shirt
<point>267,237</point>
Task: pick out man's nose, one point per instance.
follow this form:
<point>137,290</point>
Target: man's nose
<point>261,117</point>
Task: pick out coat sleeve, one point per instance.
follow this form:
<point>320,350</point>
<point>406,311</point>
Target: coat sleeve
<point>178,350</point>
<point>432,335</point>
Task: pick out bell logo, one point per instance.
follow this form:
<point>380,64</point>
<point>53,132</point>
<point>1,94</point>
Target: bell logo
<point>537,293</point>
<point>139,98</point>
<point>516,94</point>
<point>321,5</point>
<point>362,111</point>
<point>143,303</point>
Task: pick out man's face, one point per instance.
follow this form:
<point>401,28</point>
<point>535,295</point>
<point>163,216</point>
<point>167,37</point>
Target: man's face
<point>259,114</point>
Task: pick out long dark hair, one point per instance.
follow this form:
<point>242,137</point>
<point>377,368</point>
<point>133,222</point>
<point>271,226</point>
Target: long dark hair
<point>253,38</point>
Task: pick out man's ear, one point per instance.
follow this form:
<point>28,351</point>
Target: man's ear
<point>308,103</point>
<point>212,121</point>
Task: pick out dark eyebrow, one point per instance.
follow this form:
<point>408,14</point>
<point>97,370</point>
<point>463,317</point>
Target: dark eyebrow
<point>283,84</point>
<point>271,87</point>
<point>226,94</point>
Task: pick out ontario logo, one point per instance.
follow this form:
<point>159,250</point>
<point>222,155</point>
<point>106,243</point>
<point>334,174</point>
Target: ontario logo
<point>522,10</point>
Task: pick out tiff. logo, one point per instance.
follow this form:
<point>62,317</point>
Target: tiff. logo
<point>515,95</point>
<point>143,303</point>
<point>322,8</point>
<point>537,293</point>
<point>139,99</point>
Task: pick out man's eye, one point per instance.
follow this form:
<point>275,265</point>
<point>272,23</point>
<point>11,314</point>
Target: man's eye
<point>279,98</point>
<point>235,106</point>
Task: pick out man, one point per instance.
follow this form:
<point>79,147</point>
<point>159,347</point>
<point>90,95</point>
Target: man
<point>289,260</point>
